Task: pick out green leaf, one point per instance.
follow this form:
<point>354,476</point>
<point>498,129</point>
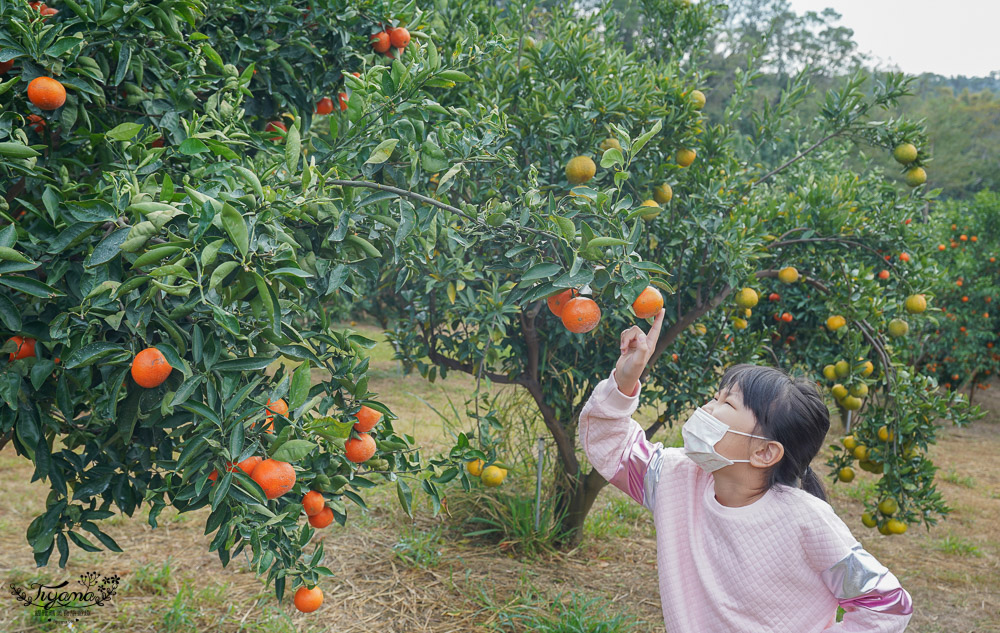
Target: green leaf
<point>381,153</point>
<point>612,156</point>
<point>256,363</point>
<point>124,58</point>
<point>108,248</point>
<point>299,390</point>
<point>236,227</point>
<point>600,242</point>
<point>17,150</point>
<point>293,148</point>
<point>10,255</point>
<point>124,132</point>
<point>91,353</point>
<point>644,138</point>
<point>454,75</point>
<point>186,389</point>
<point>30,286</point>
<point>9,314</point>
<point>405,496</point>
<point>293,450</point>
<point>192,146</point>
<point>221,272</point>
<point>540,271</point>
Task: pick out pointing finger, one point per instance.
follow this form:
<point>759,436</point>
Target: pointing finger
<point>654,331</point>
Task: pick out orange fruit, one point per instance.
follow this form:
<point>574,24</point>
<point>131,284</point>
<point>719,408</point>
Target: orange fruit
<point>47,11</point>
<point>360,449</point>
<point>212,476</point>
<point>150,368</point>
<point>380,42</point>
<point>25,348</point>
<point>399,37</point>
<point>905,257</point>
<point>648,303</point>
<point>324,106</point>
<point>581,315</point>
<point>883,274</point>
<point>280,407</point>
<point>313,503</point>
<point>322,518</point>
<point>367,419</point>
<point>342,99</point>
<point>557,301</point>
<point>274,126</point>
<point>685,157</point>
<point>275,477</point>
<point>5,66</point>
<point>248,465</point>
<point>36,122</point>
<point>46,93</point>
<point>308,600</point>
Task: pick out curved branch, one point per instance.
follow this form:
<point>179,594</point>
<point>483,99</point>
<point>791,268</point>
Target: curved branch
<point>796,158</point>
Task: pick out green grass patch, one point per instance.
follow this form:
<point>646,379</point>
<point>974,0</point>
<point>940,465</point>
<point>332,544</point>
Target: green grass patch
<point>956,546</point>
<point>419,549</point>
<point>959,480</point>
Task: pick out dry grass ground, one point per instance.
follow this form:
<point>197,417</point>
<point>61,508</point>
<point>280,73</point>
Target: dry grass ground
<point>423,576</point>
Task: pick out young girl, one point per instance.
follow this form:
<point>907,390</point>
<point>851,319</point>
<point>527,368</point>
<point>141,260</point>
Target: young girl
<point>745,539</point>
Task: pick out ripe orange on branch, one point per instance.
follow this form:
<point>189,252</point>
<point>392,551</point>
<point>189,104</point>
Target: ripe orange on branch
<point>399,37</point>
<point>367,419</point>
<point>275,477</point>
<point>581,315</point>
<point>322,518</point>
<point>324,106</point>
<point>313,502</point>
<point>580,169</point>
<point>150,368</point>
<point>648,303</point>
<point>279,407</point>
<point>380,42</point>
<point>308,600</point>
<point>557,301</point>
<point>25,348</point>
<point>46,93</point>
<point>359,449</point>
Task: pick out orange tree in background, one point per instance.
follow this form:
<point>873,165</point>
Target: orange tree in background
<point>180,202</point>
<point>960,348</point>
<point>625,186</point>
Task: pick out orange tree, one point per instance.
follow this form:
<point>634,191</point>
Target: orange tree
<point>179,183</point>
<point>960,347</point>
<point>623,184</point>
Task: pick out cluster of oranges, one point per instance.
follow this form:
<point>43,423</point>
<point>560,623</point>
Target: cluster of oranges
<point>397,38</point>
<point>491,476</point>
<point>582,314</point>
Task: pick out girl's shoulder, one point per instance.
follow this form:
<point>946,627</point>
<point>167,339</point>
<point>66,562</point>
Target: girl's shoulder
<point>815,519</point>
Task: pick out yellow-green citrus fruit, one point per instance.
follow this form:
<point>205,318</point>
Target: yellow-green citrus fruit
<point>739,324</point>
<point>888,506</point>
<point>493,476</point>
<point>851,403</point>
<point>475,467</point>
<point>898,328</point>
<point>698,99</point>
<point>884,529</point>
<point>905,153</point>
<point>846,474</point>
<point>915,304</point>
<point>649,215</point>
<point>868,368</point>
<point>835,322</point>
<point>843,368</point>
<point>788,275</point>
<point>839,391</point>
<point>830,372</point>
<point>896,526</point>
<point>608,143</point>
<point>663,194</point>
<point>580,169</point>
<point>700,329</point>
<point>859,389</point>
<point>868,520</point>
<point>915,176</point>
<point>860,452</point>
<point>747,298</point>
<point>849,442</point>
<point>685,157</point>
<point>870,466</point>
<point>883,433</point>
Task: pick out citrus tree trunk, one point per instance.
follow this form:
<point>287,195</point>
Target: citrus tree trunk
<point>574,497</point>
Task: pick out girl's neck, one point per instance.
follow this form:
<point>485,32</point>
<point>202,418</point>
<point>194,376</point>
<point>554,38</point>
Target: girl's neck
<point>738,490</point>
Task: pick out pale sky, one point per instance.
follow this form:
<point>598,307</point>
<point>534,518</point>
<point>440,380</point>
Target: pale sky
<point>954,37</point>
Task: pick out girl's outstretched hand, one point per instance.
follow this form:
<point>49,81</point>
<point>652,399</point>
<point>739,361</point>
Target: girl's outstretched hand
<point>636,348</point>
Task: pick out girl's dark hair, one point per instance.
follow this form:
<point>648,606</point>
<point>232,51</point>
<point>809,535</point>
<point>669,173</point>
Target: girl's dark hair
<point>789,410</point>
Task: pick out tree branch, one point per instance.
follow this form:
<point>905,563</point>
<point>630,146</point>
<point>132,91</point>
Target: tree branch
<point>795,159</point>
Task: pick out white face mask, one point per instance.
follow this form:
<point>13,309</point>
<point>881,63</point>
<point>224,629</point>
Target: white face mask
<point>701,433</point>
